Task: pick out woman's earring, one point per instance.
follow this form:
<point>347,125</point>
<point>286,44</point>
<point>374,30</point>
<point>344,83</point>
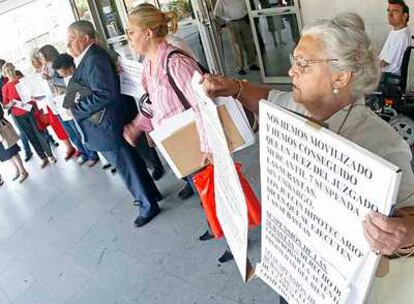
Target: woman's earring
<point>335,91</point>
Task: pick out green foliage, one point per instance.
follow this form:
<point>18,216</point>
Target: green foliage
<point>181,7</point>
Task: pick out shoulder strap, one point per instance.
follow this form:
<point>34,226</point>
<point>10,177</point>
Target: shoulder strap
<point>177,91</point>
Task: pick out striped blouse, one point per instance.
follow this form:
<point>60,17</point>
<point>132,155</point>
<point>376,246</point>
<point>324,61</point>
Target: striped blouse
<point>165,102</point>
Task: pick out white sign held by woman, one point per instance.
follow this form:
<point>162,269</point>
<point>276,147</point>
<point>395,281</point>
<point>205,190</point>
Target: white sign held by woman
<point>317,188</point>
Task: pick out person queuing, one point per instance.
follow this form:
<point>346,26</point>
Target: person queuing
<point>101,117</point>
<point>47,54</point>
<point>23,137</point>
<point>64,65</point>
<point>11,155</point>
<point>25,119</point>
<point>148,28</point>
<point>333,67</point>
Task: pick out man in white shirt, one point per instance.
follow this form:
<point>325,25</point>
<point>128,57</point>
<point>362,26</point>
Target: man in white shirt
<point>398,39</point>
<point>234,13</point>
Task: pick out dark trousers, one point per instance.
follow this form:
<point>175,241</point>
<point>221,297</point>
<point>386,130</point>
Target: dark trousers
<point>24,139</point>
<point>148,154</point>
<point>132,170</point>
<point>75,138</point>
<point>282,300</point>
<point>28,125</point>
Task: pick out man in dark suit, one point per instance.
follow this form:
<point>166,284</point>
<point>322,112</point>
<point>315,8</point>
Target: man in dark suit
<point>101,116</point>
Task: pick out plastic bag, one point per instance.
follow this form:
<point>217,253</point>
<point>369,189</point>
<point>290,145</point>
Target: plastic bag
<point>204,183</point>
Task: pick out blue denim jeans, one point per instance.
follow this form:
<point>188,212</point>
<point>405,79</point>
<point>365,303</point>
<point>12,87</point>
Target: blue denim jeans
<point>75,138</point>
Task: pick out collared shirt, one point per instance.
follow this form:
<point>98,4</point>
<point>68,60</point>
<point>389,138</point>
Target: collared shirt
<point>165,102</point>
<point>394,48</point>
<point>366,129</point>
<point>229,10</point>
<point>78,59</point>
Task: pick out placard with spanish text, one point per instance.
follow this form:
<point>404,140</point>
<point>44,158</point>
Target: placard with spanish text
<point>231,208</point>
<point>316,189</point>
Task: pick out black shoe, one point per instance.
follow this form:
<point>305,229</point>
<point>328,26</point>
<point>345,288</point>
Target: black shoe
<point>157,173</point>
<point>28,157</point>
<point>227,256</point>
<point>254,67</point>
<point>241,72</point>
<point>186,192</point>
<point>141,221</point>
<point>113,170</point>
<point>206,236</point>
<point>159,197</point>
<point>106,166</point>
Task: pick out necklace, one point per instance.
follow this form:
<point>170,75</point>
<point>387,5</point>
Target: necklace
<point>345,119</point>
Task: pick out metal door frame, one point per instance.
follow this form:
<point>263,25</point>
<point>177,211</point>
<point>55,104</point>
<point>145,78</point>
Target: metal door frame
<point>209,34</point>
<point>276,11</point>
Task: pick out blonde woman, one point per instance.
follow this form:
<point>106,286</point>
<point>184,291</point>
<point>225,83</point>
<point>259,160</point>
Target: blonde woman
<point>25,119</point>
<point>148,29</point>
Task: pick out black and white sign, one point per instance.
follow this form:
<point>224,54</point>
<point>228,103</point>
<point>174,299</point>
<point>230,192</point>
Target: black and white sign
<point>316,189</point>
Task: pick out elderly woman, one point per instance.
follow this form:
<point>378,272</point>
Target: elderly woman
<point>47,54</point>
<point>333,67</point>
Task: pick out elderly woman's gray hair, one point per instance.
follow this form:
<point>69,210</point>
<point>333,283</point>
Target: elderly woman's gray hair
<point>344,38</point>
<point>8,70</point>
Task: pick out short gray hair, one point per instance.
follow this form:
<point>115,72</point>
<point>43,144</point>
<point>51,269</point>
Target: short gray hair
<point>344,38</point>
<point>84,27</point>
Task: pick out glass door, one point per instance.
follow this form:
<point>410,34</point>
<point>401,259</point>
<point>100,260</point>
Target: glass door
<point>209,34</point>
<point>276,28</point>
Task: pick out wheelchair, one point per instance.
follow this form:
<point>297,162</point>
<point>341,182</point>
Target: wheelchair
<point>393,102</point>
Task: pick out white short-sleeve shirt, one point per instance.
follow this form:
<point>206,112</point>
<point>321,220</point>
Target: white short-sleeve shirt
<point>393,50</point>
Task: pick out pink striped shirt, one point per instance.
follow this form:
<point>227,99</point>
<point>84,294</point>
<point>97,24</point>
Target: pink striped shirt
<point>165,102</point>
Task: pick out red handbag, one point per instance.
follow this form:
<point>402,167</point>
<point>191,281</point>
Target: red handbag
<point>204,183</point>
<point>42,120</point>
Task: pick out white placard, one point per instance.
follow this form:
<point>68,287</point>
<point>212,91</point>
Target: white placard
<point>35,88</point>
<point>130,77</point>
<point>316,189</point>
<point>32,86</point>
<point>230,202</point>
<point>65,114</point>
<point>21,105</point>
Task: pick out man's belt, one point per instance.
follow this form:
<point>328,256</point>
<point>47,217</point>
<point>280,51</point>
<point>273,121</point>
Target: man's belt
<point>241,19</point>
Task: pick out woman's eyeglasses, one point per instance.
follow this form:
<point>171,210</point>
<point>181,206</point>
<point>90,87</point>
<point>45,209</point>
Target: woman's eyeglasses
<point>302,63</point>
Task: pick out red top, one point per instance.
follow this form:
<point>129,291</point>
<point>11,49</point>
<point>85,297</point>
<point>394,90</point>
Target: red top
<point>9,93</point>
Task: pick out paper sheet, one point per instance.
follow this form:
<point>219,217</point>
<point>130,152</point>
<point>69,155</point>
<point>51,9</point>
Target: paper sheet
<point>130,77</point>
<point>231,207</point>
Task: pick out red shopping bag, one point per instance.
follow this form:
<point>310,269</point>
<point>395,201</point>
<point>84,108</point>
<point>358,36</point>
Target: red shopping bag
<point>204,183</point>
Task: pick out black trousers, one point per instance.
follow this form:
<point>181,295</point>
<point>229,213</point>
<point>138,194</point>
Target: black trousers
<point>133,172</point>
<point>28,126</point>
<point>282,300</point>
<point>149,154</point>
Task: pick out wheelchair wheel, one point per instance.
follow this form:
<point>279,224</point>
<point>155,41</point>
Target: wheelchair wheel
<point>404,125</point>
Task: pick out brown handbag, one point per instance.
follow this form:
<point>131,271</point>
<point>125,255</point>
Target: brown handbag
<point>8,135</point>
